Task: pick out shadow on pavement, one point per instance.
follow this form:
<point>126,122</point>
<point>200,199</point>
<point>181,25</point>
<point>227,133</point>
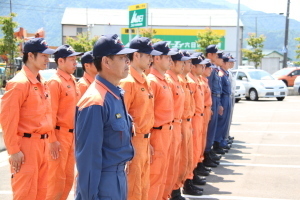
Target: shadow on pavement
<point>209,189</point>
<point>222,170</point>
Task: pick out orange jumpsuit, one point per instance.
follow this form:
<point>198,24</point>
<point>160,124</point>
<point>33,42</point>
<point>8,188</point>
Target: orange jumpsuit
<point>84,82</point>
<point>26,109</point>
<point>197,120</point>
<point>178,99</point>
<point>186,152</point>
<point>207,111</point>
<point>161,134</point>
<point>138,99</point>
<point>64,97</point>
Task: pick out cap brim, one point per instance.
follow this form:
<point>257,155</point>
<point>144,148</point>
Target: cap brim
<point>219,51</point>
<point>48,51</point>
<point>171,53</point>
<point>126,51</point>
<point>204,62</point>
<point>232,60</point>
<point>75,54</point>
<point>152,52</point>
<point>185,58</point>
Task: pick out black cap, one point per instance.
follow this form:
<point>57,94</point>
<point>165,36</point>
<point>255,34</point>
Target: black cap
<point>65,51</point>
<point>231,58</point>
<point>220,55</point>
<point>179,56</point>
<point>197,54</point>
<point>188,54</point>
<point>207,63</point>
<point>144,45</point>
<point>163,47</point>
<point>37,45</point>
<point>212,49</point>
<point>87,57</point>
<point>110,45</point>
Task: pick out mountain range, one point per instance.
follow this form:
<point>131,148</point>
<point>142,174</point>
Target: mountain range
<point>33,15</point>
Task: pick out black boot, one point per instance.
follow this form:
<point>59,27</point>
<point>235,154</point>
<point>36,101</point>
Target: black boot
<point>214,156</point>
<point>217,149</point>
<point>198,181</point>
<point>208,162</point>
<point>199,170</point>
<point>176,195</point>
<point>203,167</point>
<point>189,188</point>
<point>230,138</point>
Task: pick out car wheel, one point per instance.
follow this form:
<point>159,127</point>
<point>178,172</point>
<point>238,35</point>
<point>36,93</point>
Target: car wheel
<point>279,98</point>
<point>285,82</point>
<point>237,100</point>
<point>253,95</point>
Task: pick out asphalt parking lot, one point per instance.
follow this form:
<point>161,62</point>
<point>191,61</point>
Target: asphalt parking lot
<point>263,164</point>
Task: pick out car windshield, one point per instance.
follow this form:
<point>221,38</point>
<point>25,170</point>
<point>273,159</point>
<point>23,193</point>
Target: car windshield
<point>283,72</point>
<point>260,75</point>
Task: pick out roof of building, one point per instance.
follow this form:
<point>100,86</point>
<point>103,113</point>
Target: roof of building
<point>156,17</point>
<point>268,52</point>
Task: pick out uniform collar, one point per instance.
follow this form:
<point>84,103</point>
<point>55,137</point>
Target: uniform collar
<point>88,77</point>
<point>139,77</point>
<point>193,77</point>
<point>173,75</point>
<point>26,71</point>
<point>156,73</point>
<point>64,74</point>
<point>114,90</point>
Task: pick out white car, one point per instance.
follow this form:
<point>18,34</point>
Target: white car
<point>240,91</point>
<point>260,84</point>
<point>297,85</point>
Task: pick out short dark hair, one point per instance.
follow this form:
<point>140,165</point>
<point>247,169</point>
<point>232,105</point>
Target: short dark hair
<point>83,67</point>
<point>25,56</point>
<point>56,60</point>
<point>98,62</point>
<point>130,56</point>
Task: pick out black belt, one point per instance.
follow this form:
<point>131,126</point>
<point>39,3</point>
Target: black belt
<point>43,136</point>
<point>147,135</point>
<point>58,128</point>
<point>216,95</point>
<point>160,127</point>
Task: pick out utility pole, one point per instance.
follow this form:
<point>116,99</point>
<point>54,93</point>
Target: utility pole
<point>10,6</point>
<point>238,36</point>
<point>286,36</point>
<point>256,27</point>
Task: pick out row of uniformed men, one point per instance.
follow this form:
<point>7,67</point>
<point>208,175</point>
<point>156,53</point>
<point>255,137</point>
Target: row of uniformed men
<point>176,115</point>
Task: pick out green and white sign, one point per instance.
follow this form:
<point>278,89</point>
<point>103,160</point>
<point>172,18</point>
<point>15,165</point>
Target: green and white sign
<point>138,15</point>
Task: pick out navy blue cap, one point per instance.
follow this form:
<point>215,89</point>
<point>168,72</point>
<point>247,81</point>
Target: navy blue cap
<point>144,45</point>
<point>163,47</point>
<point>37,45</point>
<point>207,63</point>
<point>65,51</point>
<point>231,58</point>
<point>197,60</point>
<point>212,49</point>
<point>110,45</point>
<point>188,54</point>
<point>87,57</point>
<point>197,54</point>
<point>179,56</point>
<point>220,55</point>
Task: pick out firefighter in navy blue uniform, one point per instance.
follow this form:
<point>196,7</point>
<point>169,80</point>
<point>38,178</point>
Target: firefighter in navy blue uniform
<point>225,102</point>
<point>103,127</point>
<point>214,81</point>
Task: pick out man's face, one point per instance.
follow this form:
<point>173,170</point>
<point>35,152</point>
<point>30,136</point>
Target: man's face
<point>68,64</point>
<point>40,61</point>
<point>118,66</point>
<point>187,67</point>
<point>207,72</point>
<point>91,68</point>
<point>178,67</point>
<point>145,61</point>
<point>165,62</point>
<point>212,56</point>
<point>219,61</point>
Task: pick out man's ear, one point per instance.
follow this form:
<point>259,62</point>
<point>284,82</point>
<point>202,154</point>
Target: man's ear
<point>106,62</point>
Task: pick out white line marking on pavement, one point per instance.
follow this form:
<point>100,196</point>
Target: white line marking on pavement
<point>5,192</point>
<point>281,123</point>
<point>297,132</point>
<point>270,145</point>
<point>260,165</point>
<point>227,197</point>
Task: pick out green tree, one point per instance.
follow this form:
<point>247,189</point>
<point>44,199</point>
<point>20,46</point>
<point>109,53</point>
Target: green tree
<point>255,54</point>
<point>82,42</point>
<point>297,51</point>
<point>9,43</point>
<point>149,33</point>
<point>207,38</point>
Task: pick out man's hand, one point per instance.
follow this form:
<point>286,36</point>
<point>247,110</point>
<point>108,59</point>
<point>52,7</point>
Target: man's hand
<point>221,109</point>
<point>54,148</point>
<point>16,160</point>
<point>151,152</point>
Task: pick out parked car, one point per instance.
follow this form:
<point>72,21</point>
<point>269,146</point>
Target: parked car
<point>260,84</point>
<point>287,75</point>
<point>297,85</point>
<point>240,91</point>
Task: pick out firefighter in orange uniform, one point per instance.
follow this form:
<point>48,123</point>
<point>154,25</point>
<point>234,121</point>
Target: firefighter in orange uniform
<point>64,97</point>
<point>161,133</point>
<point>26,123</point>
<point>90,72</point>
<point>177,66</point>
<point>138,99</point>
